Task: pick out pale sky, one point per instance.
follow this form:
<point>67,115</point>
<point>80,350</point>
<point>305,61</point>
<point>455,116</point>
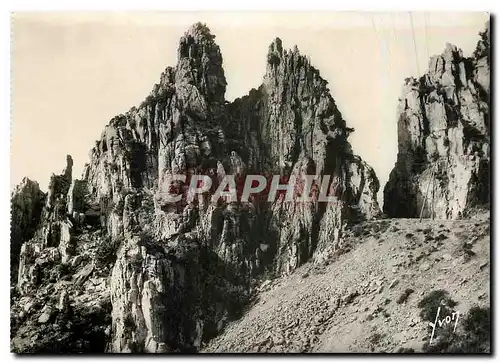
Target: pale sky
<point>73,72</point>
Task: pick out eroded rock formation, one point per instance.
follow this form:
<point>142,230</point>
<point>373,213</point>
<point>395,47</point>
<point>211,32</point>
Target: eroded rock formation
<point>167,277</point>
<point>26,210</point>
<point>443,137</point>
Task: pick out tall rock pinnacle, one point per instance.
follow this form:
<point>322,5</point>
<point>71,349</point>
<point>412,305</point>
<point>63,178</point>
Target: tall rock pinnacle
<point>200,63</point>
<point>175,274</point>
<point>443,162</point>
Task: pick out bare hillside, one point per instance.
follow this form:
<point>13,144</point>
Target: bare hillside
<point>366,298</point>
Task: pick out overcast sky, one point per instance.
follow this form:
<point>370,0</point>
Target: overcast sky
<point>72,72</point>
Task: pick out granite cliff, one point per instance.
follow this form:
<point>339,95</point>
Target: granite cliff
<point>106,264</point>
<point>444,137</point>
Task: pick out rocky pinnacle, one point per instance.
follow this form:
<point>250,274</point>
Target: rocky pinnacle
<point>443,137</point>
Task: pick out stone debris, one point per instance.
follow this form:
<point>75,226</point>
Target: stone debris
<point>109,255</point>
<point>393,283</point>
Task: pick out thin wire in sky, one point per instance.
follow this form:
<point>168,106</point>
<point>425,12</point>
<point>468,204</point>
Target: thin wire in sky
<point>375,28</point>
<point>384,43</point>
<point>414,42</point>
<point>426,36</point>
<point>396,38</point>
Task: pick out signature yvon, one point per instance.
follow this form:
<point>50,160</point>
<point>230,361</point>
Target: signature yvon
<point>445,321</point>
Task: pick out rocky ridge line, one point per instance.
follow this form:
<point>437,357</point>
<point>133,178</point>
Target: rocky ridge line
<point>149,276</point>
<point>444,137</point>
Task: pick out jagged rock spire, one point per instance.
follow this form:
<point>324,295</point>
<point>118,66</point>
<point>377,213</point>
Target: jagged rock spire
<point>27,202</point>
<point>443,138</point>
<point>170,257</point>
<point>200,63</point>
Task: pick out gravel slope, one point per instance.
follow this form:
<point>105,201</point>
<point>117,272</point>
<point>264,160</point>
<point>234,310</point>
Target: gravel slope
<point>350,304</point>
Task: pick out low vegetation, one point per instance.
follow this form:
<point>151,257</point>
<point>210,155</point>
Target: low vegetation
<point>432,301</point>
<point>471,335</point>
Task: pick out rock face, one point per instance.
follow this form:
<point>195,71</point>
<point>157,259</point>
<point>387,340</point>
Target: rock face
<point>169,276</point>
<point>26,202</point>
<point>443,137</point>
